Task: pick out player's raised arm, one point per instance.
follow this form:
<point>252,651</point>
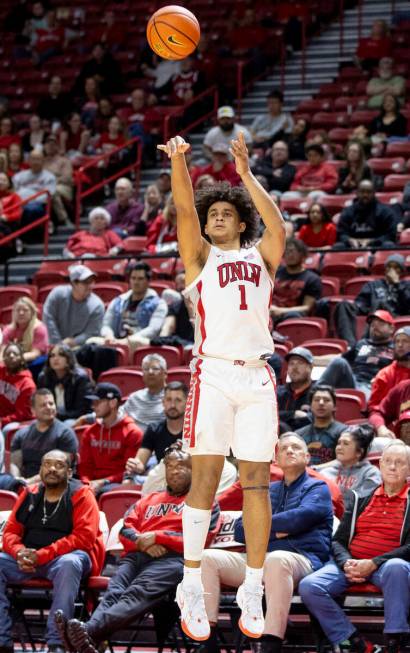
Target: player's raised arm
<point>192,246</point>
<point>272,243</point>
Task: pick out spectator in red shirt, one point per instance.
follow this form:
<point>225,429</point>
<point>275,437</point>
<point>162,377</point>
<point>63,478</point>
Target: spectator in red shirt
<point>374,47</point>
<point>389,377</point>
<point>110,34</point>
<point>143,120</point>
<point>100,240</point>
<point>315,178</point>
<point>152,564</point>
<point>7,135</point>
<point>113,137</point>
<point>162,234</point>
<point>16,387</point>
<point>386,414</point>
<point>49,40</point>
<point>106,445</point>
<point>221,168</point>
<point>10,205</point>
<point>371,545</point>
<point>319,232</point>
<point>74,137</point>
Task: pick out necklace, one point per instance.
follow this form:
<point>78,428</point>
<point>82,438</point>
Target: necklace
<point>46,517</point>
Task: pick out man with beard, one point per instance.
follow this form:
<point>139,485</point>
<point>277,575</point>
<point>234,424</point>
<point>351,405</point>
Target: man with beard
<point>296,289</point>
<point>359,364</point>
<point>276,168</point>
<point>53,532</point>
<point>293,397</point>
<point>16,387</point>
<point>390,293</point>
<point>367,222</point>
<point>391,375</point>
<point>153,561</point>
<point>226,130</point>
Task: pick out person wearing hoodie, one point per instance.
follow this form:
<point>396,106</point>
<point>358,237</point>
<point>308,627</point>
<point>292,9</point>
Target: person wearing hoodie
<point>367,222</point>
<point>53,532</point>
<point>137,313</point>
<point>350,469</point>
<point>16,388</point>
<point>107,444</point>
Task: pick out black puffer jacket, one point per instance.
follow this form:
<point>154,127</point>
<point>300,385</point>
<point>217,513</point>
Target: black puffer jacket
<point>76,386</point>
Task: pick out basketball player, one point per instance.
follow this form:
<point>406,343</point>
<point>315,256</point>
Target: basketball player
<point>232,399</point>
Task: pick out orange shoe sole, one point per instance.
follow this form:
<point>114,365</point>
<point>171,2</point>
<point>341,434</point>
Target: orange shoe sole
<point>247,632</point>
<point>188,632</point>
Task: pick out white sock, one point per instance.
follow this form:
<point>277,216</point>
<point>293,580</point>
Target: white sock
<point>253,576</point>
<point>195,526</point>
<point>192,578</point>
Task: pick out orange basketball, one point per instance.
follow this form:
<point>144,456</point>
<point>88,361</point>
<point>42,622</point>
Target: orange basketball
<point>173,32</point>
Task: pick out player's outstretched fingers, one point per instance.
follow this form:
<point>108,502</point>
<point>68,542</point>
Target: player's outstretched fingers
<point>174,146</point>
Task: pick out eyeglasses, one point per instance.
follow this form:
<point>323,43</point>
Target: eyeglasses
<point>156,370</point>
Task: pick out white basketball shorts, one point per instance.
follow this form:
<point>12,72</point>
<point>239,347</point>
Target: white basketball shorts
<point>231,406</point>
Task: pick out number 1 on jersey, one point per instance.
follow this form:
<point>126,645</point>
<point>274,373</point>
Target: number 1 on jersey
<point>243,306</point>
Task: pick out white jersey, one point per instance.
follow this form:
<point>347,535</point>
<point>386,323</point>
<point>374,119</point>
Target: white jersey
<point>231,299</point>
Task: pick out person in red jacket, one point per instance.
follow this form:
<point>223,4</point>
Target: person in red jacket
<point>232,498</point>
<point>99,240</point>
<point>385,416</point>
<point>16,387</point>
<point>162,233</point>
<point>53,532</point>
<point>315,178</point>
<point>221,168</point>
<point>153,561</point>
<point>389,377</point>
<point>106,445</point>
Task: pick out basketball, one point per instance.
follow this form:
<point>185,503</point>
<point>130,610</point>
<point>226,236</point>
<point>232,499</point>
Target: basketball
<point>173,32</point>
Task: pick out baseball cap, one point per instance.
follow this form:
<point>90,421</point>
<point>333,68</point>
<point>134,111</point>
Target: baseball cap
<point>165,171</point>
<point>385,316</point>
<point>80,273</point>
<point>222,148</point>
<point>396,258</point>
<point>302,352</point>
<point>225,112</point>
<point>105,391</point>
<point>403,331</point>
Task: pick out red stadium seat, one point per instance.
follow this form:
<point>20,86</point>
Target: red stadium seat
<point>344,264</point>
<point>326,346</point>
<point>402,321</point>
<point>330,120</point>
<point>47,278</point>
<point>5,315</point>
<point>116,503</point>
<point>362,117</point>
<point>353,286</point>
<point>43,292</point>
<point>330,286</point>
<point>385,166</point>
<point>293,206</point>
<point>356,393</point>
<point>123,354</point>
<point>312,261</point>
<point>172,355</point>
<point>336,89</point>
<point>345,103</point>
<point>348,406</point>
<point>107,291</point>
<point>340,135</point>
<point>336,203</point>
<point>128,380</point>
<point>134,244</point>
<point>9,294</point>
<point>405,237</point>
<point>395,182</point>
<point>301,329</point>
<point>159,285</point>
<point>182,374</point>
<point>315,105</point>
<point>379,260</point>
<point>7,500</point>
<point>390,198</point>
<point>398,149</point>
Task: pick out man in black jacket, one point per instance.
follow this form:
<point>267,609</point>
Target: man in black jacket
<point>390,293</point>
<point>372,544</point>
<point>367,222</point>
<point>276,168</point>
<point>294,397</point>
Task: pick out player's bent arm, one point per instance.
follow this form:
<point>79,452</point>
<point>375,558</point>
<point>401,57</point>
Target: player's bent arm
<point>272,243</point>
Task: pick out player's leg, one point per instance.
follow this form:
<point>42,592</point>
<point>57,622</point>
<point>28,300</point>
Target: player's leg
<point>207,433</point>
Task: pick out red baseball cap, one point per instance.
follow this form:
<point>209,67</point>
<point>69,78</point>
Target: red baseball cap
<point>385,316</point>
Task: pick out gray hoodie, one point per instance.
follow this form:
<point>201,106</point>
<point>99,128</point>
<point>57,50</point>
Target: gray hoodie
<point>362,477</point>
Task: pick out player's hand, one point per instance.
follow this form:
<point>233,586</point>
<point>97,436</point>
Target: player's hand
<point>145,541</point>
<point>239,152</point>
<point>175,147</point>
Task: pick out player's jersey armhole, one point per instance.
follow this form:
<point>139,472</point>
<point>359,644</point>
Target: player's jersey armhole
<point>271,276</point>
<point>197,279</point>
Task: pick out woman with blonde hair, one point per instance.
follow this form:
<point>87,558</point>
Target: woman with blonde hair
<point>29,332</point>
<point>355,170</point>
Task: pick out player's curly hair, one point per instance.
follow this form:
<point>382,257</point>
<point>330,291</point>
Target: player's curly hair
<point>239,198</point>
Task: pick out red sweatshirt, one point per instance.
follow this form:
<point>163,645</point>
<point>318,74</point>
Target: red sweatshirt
<point>10,206</point>
<point>392,406</point>
<point>84,242</point>
<point>384,381</point>
<point>86,534</point>
<point>321,177</point>
<point>232,498</point>
<point>104,451</point>
<point>161,513</point>
<point>160,232</point>
<point>226,173</point>
<point>15,396</point>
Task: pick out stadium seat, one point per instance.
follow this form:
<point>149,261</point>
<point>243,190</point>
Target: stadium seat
<point>405,237</point>
<point>5,315</point>
<point>123,351</point>
<point>134,244</point>
<point>361,326</point>
<point>159,285</point>
<point>395,182</point>
<point>330,120</point>
<point>330,286</point>
<point>116,503</point>
<point>340,135</point>
<point>9,294</point>
<point>48,278</point>
<point>107,291</point>
<point>182,374</point>
<point>336,203</point>
<point>398,149</point>
<point>402,321</point>
<point>301,329</point>
<point>326,346</point>
<point>390,198</point>
<point>315,105</point>
<point>172,355</point>
<point>385,166</point>
<point>43,292</point>
<point>312,261</point>
<point>7,500</point>
<point>348,406</point>
<point>353,286</point>
<point>297,205</point>
<point>344,264</point>
<point>380,258</point>
<point>356,393</point>
<point>128,380</point>
<point>362,117</point>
